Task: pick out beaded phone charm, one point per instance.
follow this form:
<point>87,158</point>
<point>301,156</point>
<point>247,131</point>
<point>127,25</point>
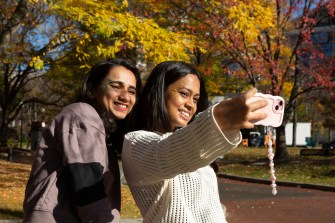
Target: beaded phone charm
<point>271,163</point>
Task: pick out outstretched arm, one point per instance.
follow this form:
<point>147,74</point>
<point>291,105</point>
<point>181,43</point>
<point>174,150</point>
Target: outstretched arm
<point>235,114</point>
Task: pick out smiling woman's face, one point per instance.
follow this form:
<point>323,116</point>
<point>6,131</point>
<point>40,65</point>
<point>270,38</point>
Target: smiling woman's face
<point>181,99</point>
<point>117,92</point>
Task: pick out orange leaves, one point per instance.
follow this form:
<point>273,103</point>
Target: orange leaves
<point>128,205</point>
<point>331,7</point>
<point>13,179</point>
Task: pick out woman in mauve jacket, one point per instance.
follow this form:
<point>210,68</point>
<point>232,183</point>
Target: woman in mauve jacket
<point>75,175</point>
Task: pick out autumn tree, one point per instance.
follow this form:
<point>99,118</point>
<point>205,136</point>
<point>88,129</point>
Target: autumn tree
<point>267,44</point>
<point>21,57</point>
<point>44,45</point>
<point>326,107</point>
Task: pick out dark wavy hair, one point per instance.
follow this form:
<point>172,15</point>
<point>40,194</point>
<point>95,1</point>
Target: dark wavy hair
<point>114,128</point>
<point>151,112</point>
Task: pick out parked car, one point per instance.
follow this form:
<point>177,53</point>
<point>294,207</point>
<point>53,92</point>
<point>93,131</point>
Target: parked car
<point>329,145</point>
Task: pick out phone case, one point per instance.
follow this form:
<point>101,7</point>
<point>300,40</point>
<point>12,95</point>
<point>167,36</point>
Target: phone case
<point>274,109</point>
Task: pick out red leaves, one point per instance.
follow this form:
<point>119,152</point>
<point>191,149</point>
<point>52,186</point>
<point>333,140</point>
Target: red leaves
<point>331,8</point>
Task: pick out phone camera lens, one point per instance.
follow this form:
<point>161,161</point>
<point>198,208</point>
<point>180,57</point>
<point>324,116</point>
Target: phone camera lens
<point>277,107</point>
<point>281,103</point>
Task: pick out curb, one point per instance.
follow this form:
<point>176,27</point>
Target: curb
<point>279,183</point>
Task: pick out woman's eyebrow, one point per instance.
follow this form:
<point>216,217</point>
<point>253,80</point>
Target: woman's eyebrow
<point>189,90</point>
<point>113,81</point>
<point>120,82</point>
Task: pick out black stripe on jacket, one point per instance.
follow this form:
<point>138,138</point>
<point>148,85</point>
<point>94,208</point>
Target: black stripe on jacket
<point>87,182</point>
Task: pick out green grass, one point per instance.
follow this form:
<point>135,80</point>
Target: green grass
<point>253,162</point>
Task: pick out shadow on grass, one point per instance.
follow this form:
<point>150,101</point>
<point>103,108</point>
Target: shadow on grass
<point>330,173</point>
<point>6,214</point>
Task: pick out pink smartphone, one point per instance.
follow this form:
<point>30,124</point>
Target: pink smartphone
<point>274,109</point>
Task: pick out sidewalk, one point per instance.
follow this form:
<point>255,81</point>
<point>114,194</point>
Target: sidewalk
<point>249,198</point>
<point>254,203</point>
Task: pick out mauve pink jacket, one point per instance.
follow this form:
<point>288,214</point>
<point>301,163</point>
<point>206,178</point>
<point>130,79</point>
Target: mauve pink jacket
<point>73,178</point>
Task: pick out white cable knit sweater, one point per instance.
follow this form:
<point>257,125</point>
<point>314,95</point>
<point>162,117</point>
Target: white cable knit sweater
<point>169,175</point>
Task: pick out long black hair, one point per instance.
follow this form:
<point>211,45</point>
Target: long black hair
<point>114,128</point>
<point>151,112</point>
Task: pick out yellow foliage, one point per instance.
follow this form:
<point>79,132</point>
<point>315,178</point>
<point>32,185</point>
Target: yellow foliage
<point>287,89</point>
<point>113,28</point>
<point>37,63</point>
<point>124,3</point>
<point>251,18</point>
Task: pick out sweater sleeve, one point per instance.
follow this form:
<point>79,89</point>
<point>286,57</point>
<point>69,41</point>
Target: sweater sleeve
<point>149,157</point>
<point>85,160</point>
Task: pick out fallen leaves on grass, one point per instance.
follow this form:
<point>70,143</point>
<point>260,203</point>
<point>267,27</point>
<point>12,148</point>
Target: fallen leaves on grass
<point>128,205</point>
<point>13,180</point>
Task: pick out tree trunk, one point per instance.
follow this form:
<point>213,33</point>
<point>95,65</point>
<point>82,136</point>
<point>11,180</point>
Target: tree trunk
<point>281,149</point>
<point>4,135</point>
<point>4,128</point>
<point>294,127</point>
<point>329,134</point>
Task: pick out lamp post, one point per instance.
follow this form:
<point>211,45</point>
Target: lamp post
<point>21,128</point>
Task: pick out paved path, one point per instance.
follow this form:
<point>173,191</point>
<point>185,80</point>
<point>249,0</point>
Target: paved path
<point>254,203</point>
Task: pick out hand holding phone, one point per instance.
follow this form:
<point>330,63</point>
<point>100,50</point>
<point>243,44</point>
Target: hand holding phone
<point>274,109</point>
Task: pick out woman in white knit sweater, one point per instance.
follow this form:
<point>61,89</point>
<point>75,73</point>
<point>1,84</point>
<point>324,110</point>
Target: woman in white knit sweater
<point>166,161</point>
